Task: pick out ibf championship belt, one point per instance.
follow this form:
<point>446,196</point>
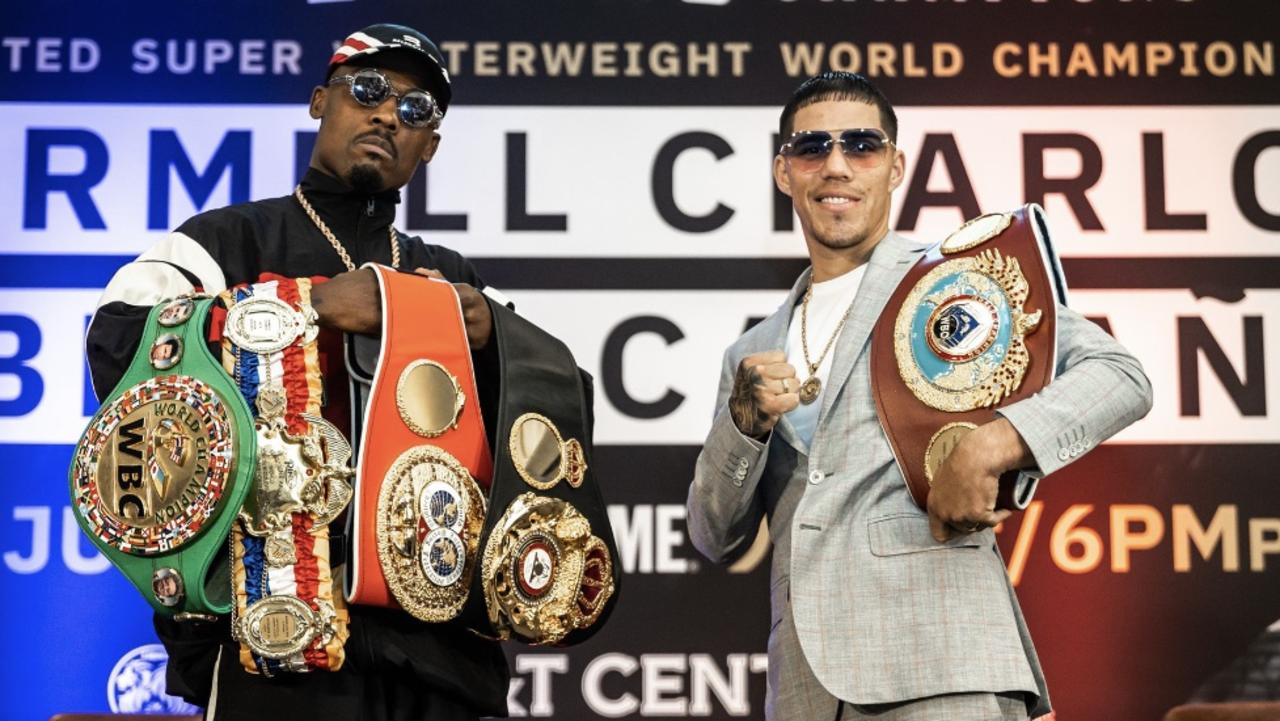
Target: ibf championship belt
<point>164,466</point>
<point>287,615</point>
<point>419,509</point>
<point>549,571</point>
<point>970,328</point>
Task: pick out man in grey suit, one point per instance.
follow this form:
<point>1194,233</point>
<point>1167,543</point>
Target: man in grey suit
<point>879,609</point>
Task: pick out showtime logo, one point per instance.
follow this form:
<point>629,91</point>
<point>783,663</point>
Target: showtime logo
<point>136,684</point>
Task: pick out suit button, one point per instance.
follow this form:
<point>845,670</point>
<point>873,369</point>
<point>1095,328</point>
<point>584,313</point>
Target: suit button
<point>815,476</point>
<point>743,464</point>
<point>1063,454</point>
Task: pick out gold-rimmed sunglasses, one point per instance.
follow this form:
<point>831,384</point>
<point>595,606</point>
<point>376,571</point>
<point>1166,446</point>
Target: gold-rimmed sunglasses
<point>863,148</point>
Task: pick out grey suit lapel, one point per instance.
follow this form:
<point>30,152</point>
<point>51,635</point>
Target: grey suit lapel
<point>889,262</point>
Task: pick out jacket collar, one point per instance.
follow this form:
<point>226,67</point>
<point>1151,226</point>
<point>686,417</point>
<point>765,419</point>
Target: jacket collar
<point>346,211</point>
<point>889,262</point>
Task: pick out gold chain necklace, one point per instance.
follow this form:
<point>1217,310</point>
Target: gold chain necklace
<point>328,234</point>
<point>812,385</point>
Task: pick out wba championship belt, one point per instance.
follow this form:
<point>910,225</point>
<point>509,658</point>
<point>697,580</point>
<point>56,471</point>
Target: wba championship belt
<point>418,513</point>
<point>970,328</point>
<point>287,616</point>
<point>549,571</point>
<point>165,464</point>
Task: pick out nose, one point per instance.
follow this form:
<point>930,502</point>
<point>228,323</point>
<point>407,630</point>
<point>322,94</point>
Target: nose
<point>836,165</point>
<point>386,114</point>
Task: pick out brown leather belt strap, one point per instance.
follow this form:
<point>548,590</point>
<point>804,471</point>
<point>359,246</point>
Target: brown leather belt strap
<point>971,328</point>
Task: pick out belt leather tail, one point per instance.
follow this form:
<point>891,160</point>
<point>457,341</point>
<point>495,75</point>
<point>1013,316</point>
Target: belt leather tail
<point>549,566</point>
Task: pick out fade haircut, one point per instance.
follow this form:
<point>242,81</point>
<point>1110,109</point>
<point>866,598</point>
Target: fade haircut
<point>838,85</point>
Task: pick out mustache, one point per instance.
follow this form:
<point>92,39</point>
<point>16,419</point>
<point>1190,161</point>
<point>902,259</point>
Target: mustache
<point>381,139</point>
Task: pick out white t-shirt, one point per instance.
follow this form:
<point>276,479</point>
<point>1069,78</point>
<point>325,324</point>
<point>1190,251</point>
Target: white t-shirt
<point>831,298</point>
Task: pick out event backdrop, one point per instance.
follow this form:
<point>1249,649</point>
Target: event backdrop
<point>607,164</point>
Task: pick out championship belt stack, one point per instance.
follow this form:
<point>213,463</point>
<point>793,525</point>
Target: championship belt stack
<point>516,544</point>
<point>549,571</point>
<point>286,614</point>
<point>423,453</point>
<point>164,466</point>
<point>971,327</point>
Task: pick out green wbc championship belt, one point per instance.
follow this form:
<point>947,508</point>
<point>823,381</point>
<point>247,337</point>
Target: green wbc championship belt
<point>160,472</point>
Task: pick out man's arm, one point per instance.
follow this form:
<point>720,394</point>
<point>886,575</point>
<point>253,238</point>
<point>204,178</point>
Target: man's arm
<point>1100,389</point>
<point>175,265</point>
<point>724,509</point>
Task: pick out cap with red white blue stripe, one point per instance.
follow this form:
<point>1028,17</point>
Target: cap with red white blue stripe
<point>387,36</point>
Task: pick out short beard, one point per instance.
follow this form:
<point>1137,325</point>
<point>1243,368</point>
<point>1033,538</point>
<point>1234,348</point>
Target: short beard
<point>839,242</point>
<point>365,179</point>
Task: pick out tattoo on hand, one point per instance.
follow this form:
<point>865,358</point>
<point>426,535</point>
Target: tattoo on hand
<point>742,404</point>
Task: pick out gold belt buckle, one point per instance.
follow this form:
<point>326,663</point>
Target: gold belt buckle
<point>545,574</point>
<point>429,516</point>
<point>295,473</point>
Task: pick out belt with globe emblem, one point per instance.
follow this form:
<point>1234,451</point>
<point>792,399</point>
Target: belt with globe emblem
<point>166,463</point>
<point>549,571</point>
<point>423,457</point>
<point>970,328</point>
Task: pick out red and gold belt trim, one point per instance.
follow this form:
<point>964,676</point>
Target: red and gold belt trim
<point>419,508</point>
<point>287,615</point>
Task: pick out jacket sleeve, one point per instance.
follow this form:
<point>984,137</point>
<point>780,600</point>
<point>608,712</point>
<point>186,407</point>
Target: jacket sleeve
<point>175,265</point>
<point>724,509</point>
<point>1098,390</point>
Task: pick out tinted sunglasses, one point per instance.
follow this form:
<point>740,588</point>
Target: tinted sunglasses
<point>370,88</point>
<point>807,150</point>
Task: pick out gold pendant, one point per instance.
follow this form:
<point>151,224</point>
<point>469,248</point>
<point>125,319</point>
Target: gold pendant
<point>810,389</point>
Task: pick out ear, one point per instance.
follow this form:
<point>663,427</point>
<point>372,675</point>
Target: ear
<point>780,177</point>
<point>318,95</point>
<point>899,169</point>
<point>429,151</point>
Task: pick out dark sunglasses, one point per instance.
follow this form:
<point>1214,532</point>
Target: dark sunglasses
<point>864,148</point>
<point>370,88</point>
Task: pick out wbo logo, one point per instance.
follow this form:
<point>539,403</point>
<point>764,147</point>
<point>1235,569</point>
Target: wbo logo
<point>136,684</point>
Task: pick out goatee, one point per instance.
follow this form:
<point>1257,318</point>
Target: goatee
<point>365,179</point>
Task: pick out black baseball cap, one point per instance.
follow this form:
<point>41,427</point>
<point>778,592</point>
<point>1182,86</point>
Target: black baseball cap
<point>387,36</point>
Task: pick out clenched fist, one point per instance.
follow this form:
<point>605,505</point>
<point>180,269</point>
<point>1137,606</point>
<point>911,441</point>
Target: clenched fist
<point>764,388</point>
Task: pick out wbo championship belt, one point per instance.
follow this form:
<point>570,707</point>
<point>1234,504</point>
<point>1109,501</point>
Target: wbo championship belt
<point>422,448</point>
<point>974,329</point>
<point>287,615</point>
<point>549,572</point>
<point>160,473</point>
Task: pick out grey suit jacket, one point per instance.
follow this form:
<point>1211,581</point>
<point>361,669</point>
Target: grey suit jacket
<point>883,612</point>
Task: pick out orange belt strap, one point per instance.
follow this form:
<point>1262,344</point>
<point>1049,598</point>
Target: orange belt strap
<point>418,507</point>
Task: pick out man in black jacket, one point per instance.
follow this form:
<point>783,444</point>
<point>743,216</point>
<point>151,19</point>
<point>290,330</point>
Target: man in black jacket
<point>379,111</point>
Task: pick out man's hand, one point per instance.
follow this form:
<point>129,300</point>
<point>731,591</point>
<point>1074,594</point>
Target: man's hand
<point>475,310</point>
<point>349,302</point>
<point>764,388</point>
<point>963,496</point>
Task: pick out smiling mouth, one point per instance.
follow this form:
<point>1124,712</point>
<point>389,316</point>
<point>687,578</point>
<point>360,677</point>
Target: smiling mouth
<point>836,202</point>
